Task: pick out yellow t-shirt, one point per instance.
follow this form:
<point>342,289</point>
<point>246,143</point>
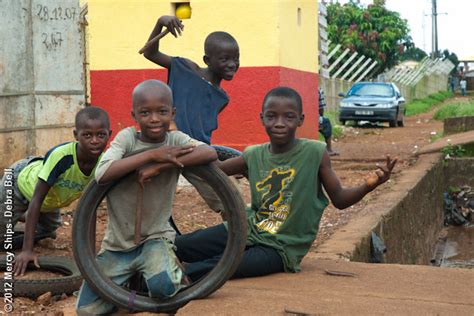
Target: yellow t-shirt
<point>60,170</point>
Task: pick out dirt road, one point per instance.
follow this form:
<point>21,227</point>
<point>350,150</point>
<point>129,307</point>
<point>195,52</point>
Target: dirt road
<point>360,149</point>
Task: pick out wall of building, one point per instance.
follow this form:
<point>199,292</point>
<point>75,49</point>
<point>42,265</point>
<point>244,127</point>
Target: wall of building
<point>41,75</point>
<point>278,46</point>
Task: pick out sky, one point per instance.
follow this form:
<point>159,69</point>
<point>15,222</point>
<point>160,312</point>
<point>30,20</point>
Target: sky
<point>453,23</point>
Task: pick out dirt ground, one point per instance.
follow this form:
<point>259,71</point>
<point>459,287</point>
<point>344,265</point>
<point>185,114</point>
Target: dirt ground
<point>360,148</point>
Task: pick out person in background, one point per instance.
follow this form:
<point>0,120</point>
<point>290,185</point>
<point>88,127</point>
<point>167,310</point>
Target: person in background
<point>463,85</point>
<point>325,126</point>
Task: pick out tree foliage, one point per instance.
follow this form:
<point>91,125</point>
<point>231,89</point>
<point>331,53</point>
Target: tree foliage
<point>372,31</point>
<point>452,57</point>
<point>413,53</point>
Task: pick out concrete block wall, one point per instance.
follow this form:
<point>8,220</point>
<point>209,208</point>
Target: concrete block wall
<point>455,125</point>
<point>41,75</point>
<point>410,230</point>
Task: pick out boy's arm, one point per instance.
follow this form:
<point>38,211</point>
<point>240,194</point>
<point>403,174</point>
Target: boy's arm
<point>153,53</point>
<point>345,197</point>
<point>27,254</point>
<point>202,154</point>
<point>233,166</point>
<point>164,154</point>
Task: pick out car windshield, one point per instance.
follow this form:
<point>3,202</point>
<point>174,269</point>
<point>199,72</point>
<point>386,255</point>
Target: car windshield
<point>374,90</point>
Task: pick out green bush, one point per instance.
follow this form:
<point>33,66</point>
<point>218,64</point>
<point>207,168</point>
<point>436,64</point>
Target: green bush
<point>459,109</point>
<point>418,106</point>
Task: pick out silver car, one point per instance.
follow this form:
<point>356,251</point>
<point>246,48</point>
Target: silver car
<point>373,102</point>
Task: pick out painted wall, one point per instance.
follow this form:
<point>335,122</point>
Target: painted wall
<point>41,75</point>
<point>278,46</point>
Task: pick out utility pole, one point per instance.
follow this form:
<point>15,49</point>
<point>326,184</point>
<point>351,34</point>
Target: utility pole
<point>434,32</point>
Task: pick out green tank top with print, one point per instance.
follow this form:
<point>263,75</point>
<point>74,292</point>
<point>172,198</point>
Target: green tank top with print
<point>287,199</point>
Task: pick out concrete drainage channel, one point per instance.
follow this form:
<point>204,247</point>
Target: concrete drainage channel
<point>409,219</point>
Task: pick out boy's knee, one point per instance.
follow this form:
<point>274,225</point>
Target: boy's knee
<point>161,286</point>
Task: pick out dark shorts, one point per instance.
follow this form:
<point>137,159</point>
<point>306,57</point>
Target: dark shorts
<point>325,127</point>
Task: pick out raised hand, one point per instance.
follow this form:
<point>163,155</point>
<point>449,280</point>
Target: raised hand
<point>382,174</point>
<point>172,23</point>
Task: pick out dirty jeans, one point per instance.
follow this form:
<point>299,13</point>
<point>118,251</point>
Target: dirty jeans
<point>48,221</point>
<point>201,251</point>
<point>156,261</point>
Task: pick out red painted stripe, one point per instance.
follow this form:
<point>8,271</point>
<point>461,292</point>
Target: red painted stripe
<point>239,123</point>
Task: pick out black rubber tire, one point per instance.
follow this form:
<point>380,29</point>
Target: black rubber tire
<point>392,123</point>
<point>85,255</point>
<point>224,153</point>
<point>33,288</point>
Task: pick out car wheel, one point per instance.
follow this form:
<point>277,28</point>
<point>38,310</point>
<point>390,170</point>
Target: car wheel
<point>392,123</point>
<point>343,122</point>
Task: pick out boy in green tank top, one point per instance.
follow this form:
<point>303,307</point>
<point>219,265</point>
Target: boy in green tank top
<point>286,177</point>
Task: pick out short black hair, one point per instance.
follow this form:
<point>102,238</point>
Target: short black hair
<point>215,39</point>
<point>91,113</point>
<point>147,85</point>
<point>284,92</point>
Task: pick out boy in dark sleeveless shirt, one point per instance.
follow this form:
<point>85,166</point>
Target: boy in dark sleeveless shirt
<point>197,93</point>
<point>286,177</point>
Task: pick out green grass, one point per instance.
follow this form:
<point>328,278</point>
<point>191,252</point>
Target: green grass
<point>459,109</point>
<point>418,106</point>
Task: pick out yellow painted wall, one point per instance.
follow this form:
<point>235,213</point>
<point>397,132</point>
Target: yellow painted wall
<point>298,25</point>
<point>266,31</point>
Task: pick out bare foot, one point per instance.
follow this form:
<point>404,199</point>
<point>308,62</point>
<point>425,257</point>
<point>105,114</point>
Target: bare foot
<point>333,153</point>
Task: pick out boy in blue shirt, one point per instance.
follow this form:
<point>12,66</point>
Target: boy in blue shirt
<point>197,94</point>
<point>41,186</point>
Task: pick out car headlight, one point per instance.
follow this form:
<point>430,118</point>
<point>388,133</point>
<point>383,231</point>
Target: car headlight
<point>385,105</point>
<point>345,104</point>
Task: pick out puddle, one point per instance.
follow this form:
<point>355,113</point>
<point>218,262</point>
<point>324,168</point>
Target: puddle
<point>456,248</point>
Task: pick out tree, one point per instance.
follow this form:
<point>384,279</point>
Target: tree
<point>372,31</point>
<point>413,53</point>
<point>453,58</point>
